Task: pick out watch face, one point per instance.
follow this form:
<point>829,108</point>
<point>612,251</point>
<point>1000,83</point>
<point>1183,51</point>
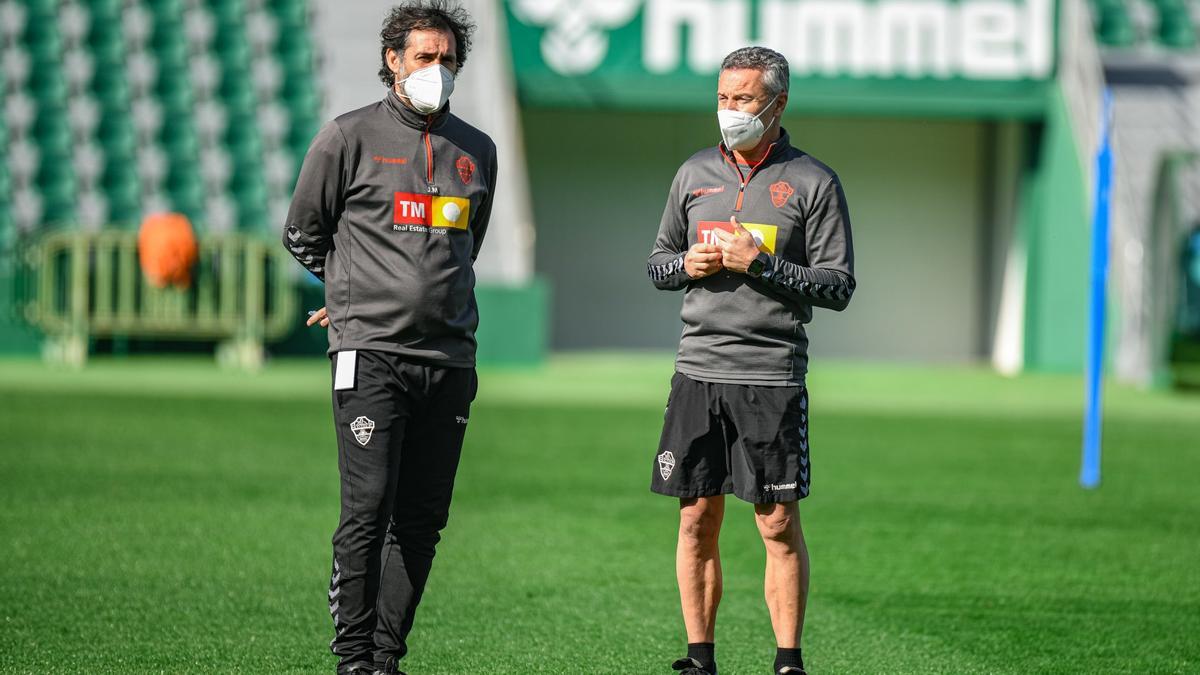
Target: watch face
<point>755,268</point>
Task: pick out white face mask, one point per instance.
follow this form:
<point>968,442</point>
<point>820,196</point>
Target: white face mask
<point>741,130</point>
<point>429,88</point>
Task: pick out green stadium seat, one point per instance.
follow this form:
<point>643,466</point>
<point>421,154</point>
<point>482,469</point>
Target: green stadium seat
<point>1175,27</point>
<point>186,190</point>
<point>296,57</point>
<point>164,7</point>
<point>56,183</point>
<point>302,100</point>
<point>174,93</point>
<point>167,43</point>
<point>42,7</point>
<point>115,134</point>
<point>124,202</point>
<point>109,54</point>
<point>108,8</point>
<point>51,131</point>
<point>237,91</point>
<point>123,190</point>
<point>47,87</point>
<point>291,14</point>
<point>1116,28</point>
<point>111,89</point>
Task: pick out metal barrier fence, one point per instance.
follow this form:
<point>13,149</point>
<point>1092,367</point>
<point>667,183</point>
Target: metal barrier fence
<point>79,285</point>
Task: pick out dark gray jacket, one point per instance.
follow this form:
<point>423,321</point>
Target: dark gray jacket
<point>390,210</point>
<point>740,330</point>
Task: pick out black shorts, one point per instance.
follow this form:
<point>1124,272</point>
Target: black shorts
<point>748,440</point>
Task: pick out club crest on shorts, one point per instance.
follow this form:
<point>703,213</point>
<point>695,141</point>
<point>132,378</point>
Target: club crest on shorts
<point>666,463</point>
<point>362,428</point>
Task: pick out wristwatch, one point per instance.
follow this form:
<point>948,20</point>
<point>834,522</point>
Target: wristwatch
<point>757,266</point>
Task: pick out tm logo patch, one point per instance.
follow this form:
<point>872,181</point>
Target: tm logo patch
<point>424,211</point>
<point>362,428</point>
<point>666,464</point>
<point>764,235</point>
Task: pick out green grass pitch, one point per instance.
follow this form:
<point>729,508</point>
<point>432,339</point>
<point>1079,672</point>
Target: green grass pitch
<point>164,516</point>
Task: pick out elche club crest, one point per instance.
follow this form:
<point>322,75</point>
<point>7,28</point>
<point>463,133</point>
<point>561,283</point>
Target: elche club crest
<point>466,169</point>
<point>780,193</point>
<point>666,464</point>
<point>362,428</point>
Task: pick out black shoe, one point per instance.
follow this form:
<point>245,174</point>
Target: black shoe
<point>360,668</point>
<point>690,666</point>
<point>791,670</point>
<point>388,668</point>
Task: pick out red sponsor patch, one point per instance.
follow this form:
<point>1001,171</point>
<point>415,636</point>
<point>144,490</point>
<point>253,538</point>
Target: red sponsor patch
<point>466,169</point>
<point>380,159</point>
<point>780,193</point>
<point>412,209</point>
<point>706,230</point>
<point>701,192</point>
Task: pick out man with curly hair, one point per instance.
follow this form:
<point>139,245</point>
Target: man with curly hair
<point>390,211</point>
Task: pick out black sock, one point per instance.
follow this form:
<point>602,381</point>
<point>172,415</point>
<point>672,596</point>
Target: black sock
<point>787,656</point>
<point>705,653</point>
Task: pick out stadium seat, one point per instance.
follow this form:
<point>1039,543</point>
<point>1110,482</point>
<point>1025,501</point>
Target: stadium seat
<point>1115,26</point>
<point>1175,27</point>
<point>115,133</point>
<point>51,131</point>
<point>292,15</point>
<point>124,194</point>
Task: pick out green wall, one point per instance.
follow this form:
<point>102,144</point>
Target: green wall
<point>916,192</point>
<point>15,336</point>
<point>1056,228</point>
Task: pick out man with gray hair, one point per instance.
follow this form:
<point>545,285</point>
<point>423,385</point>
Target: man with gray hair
<point>756,233</point>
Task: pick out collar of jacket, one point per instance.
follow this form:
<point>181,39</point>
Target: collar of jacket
<point>411,118</point>
<point>780,145</point>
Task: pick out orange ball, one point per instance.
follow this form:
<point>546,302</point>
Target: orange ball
<point>167,249</point>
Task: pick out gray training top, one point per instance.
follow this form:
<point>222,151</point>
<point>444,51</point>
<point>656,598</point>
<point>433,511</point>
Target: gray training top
<point>740,330</point>
<point>390,210</point>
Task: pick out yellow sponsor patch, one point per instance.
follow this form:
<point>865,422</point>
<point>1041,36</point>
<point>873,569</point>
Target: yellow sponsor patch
<point>452,212</point>
<point>764,235</point>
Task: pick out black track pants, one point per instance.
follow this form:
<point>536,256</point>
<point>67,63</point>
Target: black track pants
<point>400,428</point>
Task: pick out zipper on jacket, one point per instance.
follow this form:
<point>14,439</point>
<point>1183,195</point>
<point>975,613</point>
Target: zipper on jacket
<point>429,185</point>
<point>743,180</point>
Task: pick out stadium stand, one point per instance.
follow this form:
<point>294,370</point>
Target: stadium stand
<point>116,108</point>
<point>1170,24</point>
<point>1151,57</point>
